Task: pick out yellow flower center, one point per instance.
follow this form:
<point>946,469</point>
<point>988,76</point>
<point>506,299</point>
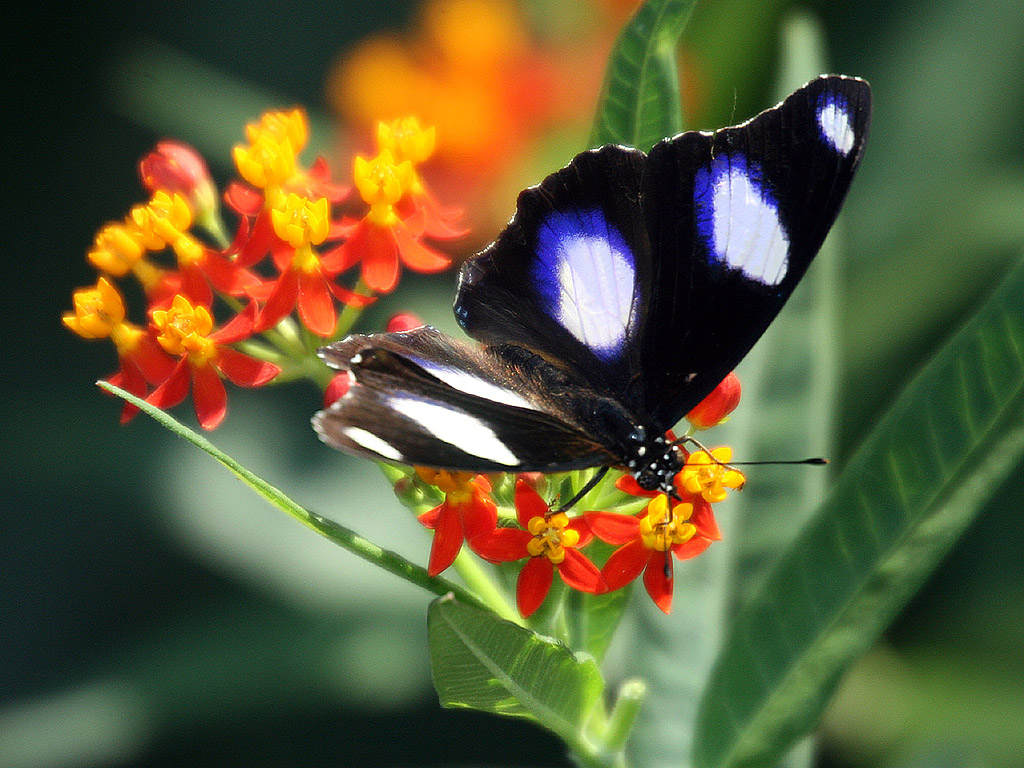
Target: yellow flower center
<point>663,529</point>
<point>98,311</point>
<point>381,183</point>
<point>405,140</point>
<point>269,161</point>
<point>551,537</point>
<point>162,221</point>
<point>301,222</point>
<point>457,487</point>
<point>117,249</point>
<point>280,126</point>
<point>182,329</point>
<point>709,475</point>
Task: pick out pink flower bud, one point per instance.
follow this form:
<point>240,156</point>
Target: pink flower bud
<point>714,408</point>
<point>174,166</point>
<point>404,321</point>
<point>337,388</point>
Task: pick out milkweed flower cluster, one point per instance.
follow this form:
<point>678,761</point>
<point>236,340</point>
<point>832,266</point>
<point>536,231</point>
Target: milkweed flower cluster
<point>298,232</point>
<point>547,540</point>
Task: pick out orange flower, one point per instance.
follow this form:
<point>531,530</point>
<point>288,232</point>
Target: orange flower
<point>187,331</point>
<point>551,541</point>
<point>380,240</point>
<point>716,407</point>
<point>648,541</point>
<point>99,314</point>
<point>466,513</point>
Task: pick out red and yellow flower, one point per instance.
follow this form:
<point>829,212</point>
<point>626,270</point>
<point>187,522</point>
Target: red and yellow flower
<point>647,542</point>
<point>380,241</point>
<point>466,514</point>
<point>100,314</point>
<point>551,541</point>
<point>187,331</point>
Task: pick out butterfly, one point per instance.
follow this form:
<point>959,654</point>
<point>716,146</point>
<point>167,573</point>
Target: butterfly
<point>623,290</point>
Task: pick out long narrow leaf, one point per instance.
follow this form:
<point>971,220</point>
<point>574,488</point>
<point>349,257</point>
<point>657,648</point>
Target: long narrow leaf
<point>905,496</point>
<point>339,534</point>
<point>639,103</point>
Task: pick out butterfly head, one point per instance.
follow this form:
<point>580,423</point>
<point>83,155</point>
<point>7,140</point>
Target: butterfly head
<point>655,463</point>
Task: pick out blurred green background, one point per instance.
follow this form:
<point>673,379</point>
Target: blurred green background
<point>154,613</point>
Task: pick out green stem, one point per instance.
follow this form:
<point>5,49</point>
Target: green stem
<point>483,586</point>
<point>339,534</point>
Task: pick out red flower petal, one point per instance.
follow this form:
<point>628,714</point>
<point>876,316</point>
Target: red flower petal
<point>243,200</point>
<point>691,548</point>
<point>703,517</point>
<point>579,573</point>
<point>240,238</point>
<point>131,379</point>
<point>194,286</point>
<point>243,370</point>
<point>529,503</point>
<point>316,307</point>
<point>625,564</point>
<point>447,540</point>
<point>345,296</point>
<point>502,545</point>
<point>479,516</point>
<point>416,255</point>
<point>337,388</point>
<point>261,240</point>
<point>281,301</point>
<point>658,579</point>
<point>533,584</point>
<point>612,527</point>
<point>227,276</point>
<point>628,484</point>
<point>379,256</point>
<point>208,396</point>
<point>429,518</point>
<point>155,364</point>
<point>236,329</point>
<point>174,390</point>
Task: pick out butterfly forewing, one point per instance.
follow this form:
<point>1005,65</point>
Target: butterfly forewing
<point>650,277</point>
<point>735,218</point>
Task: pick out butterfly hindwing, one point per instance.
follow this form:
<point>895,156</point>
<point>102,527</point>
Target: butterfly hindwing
<point>423,398</point>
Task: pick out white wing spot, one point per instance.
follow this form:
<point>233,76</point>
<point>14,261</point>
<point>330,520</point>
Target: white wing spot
<point>746,232</point>
<point>471,384</point>
<point>836,127</point>
<point>586,276</point>
<point>456,428</point>
<point>596,292</point>
<point>372,443</point>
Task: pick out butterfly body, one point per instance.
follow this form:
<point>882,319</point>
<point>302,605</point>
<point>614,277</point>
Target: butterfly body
<point>626,286</point>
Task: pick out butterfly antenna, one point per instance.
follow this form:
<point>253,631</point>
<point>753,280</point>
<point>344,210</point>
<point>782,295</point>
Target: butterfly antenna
<point>587,488</point>
<point>815,461</point>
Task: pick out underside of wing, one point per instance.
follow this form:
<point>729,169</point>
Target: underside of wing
<point>423,398</point>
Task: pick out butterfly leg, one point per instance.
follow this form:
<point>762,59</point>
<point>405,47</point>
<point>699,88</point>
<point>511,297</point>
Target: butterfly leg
<point>587,488</point>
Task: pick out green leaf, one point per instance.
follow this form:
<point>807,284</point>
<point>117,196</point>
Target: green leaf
<point>639,103</point>
<point>480,661</point>
<point>913,486</point>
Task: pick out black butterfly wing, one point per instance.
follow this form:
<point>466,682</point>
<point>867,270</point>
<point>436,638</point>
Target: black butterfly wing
<point>650,277</point>
<point>735,219</point>
<point>423,398</point>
